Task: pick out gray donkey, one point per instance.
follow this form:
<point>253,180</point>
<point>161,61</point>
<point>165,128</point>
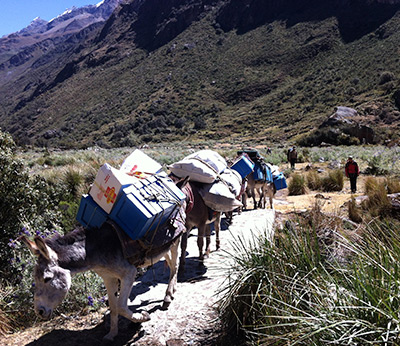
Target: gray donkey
<point>101,251</point>
<point>264,189</point>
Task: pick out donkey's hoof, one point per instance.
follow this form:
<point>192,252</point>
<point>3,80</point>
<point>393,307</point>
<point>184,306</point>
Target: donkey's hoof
<point>145,316</point>
<point>166,305</point>
<point>108,339</point>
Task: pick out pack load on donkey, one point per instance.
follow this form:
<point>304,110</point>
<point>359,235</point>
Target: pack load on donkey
<point>118,210</point>
<point>263,171</point>
<point>138,197</point>
<point>243,165</point>
<point>217,184</point>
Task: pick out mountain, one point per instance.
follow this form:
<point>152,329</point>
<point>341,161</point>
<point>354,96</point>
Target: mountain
<point>19,51</point>
<point>233,70</point>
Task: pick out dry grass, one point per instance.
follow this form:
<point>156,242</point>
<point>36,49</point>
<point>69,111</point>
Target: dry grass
<point>354,211</point>
<point>392,185</point>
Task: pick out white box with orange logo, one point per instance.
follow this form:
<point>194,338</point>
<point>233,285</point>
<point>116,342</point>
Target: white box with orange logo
<point>107,186</point>
<point>140,165</point>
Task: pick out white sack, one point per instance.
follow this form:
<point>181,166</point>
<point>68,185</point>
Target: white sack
<point>203,166</point>
<point>233,179</point>
<point>218,197</point>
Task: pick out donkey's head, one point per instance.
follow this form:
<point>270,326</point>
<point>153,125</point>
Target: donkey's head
<point>51,281</point>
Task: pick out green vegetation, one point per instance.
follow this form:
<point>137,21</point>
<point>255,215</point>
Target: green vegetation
<point>297,185</point>
<point>310,288</point>
<point>314,181</point>
<point>60,177</point>
<point>206,84</point>
<point>334,181</point>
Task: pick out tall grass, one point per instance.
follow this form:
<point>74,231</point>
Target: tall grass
<point>297,185</point>
<point>334,181</point>
<point>292,292</point>
<point>314,181</point>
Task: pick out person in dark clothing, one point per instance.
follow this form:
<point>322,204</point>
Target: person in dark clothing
<point>352,171</point>
<point>292,156</point>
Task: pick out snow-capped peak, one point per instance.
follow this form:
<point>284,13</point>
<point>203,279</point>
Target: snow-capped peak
<point>100,3</point>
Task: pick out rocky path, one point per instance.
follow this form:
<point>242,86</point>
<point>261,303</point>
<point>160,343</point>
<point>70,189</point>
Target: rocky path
<point>191,318</point>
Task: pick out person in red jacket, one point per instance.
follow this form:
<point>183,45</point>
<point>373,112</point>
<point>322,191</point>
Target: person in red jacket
<point>352,172</point>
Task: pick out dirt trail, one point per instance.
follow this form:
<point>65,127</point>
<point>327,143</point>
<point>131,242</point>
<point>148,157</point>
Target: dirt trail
<point>191,318</point>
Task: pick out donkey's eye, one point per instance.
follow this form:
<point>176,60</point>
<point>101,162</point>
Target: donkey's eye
<point>46,280</point>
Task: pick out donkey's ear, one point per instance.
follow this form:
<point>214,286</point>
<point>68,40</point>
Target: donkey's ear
<point>31,245</point>
<point>45,250</point>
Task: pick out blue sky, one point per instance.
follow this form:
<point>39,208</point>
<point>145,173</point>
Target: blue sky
<point>17,14</point>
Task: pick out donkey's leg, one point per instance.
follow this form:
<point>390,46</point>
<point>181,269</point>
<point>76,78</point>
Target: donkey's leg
<point>208,240</point>
<point>271,196</point>
<point>182,259</point>
<point>253,194</point>
<point>262,198</point>
<point>127,280</point>
<point>200,239</point>
<point>244,200</point>
<point>172,259</point>
<point>217,227</point>
<point>111,284</point>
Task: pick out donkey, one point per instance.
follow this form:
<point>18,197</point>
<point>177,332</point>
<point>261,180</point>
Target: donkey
<point>99,250</point>
<point>264,189</point>
<point>197,215</point>
<point>201,217</point>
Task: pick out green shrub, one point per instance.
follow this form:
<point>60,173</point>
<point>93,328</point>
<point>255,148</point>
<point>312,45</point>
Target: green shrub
<point>377,165</point>
<point>333,182</point>
<point>25,201</point>
<point>297,185</point>
<point>293,293</point>
<point>73,180</point>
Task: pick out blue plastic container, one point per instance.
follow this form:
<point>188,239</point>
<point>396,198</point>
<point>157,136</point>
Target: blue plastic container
<point>243,166</point>
<point>268,175</point>
<point>90,214</point>
<point>146,205</point>
<point>280,182</point>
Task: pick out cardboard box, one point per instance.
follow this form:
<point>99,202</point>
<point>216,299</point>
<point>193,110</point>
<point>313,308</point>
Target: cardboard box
<point>90,215</point>
<point>146,205</point>
<point>107,186</point>
<point>140,165</point>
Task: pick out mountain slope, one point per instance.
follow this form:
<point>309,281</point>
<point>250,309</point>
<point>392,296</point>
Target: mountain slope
<point>228,70</point>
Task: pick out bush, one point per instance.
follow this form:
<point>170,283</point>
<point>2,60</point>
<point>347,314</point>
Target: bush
<point>297,185</point>
<point>377,166</point>
<point>371,184</point>
<point>289,292</point>
<point>333,182</point>
<point>386,76</point>
<point>354,211</point>
<point>392,185</point>
<point>25,201</point>
<point>314,181</point>
<point>378,203</point>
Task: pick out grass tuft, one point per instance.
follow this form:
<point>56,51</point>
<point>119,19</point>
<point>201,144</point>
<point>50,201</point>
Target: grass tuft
<point>294,292</point>
<point>297,185</point>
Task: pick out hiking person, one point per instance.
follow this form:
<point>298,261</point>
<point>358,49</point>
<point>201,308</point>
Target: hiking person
<point>352,171</point>
<point>292,156</point>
